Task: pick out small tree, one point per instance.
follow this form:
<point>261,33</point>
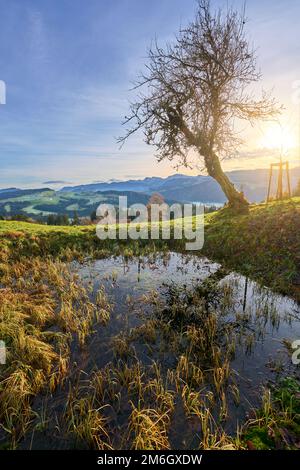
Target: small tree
<point>65,220</point>
<point>51,219</point>
<point>155,198</point>
<point>76,220</point>
<point>93,215</point>
<point>58,219</point>
<point>194,90</point>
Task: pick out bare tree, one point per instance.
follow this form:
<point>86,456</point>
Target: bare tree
<point>195,89</point>
<point>155,198</point>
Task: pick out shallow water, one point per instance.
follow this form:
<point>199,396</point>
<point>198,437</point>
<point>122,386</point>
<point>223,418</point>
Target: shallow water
<point>268,319</point>
<point>263,321</point>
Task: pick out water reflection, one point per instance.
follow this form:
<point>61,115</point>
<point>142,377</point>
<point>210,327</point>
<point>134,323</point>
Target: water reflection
<point>264,323</point>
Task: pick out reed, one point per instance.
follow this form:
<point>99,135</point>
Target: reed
<point>43,307</point>
<point>87,423</point>
<point>148,429</point>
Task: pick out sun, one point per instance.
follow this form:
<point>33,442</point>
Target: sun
<point>276,137</point>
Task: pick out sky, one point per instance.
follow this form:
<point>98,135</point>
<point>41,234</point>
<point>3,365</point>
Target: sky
<point>68,66</point>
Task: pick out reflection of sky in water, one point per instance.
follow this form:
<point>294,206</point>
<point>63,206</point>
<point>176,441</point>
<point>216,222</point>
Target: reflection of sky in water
<point>266,318</point>
<point>142,274</point>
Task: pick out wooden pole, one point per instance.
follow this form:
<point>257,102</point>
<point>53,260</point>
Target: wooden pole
<point>288,179</point>
<point>279,187</point>
<point>279,191</point>
<point>270,180</point>
<point>245,294</point>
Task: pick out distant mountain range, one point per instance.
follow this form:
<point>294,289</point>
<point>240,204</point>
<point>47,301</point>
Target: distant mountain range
<point>84,199</point>
<point>192,188</point>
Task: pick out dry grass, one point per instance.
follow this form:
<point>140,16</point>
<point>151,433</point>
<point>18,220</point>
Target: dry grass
<point>42,307</point>
<point>87,423</point>
<point>149,429</point>
<point>132,401</point>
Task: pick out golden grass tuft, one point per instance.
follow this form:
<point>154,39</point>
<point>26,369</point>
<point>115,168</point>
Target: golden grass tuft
<point>149,429</point>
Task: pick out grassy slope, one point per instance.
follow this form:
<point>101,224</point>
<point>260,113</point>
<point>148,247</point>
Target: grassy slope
<point>264,244</point>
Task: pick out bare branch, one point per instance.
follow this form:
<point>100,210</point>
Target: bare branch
<point>195,88</point>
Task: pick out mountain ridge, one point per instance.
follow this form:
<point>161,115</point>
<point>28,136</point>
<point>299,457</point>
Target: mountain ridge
<point>185,188</point>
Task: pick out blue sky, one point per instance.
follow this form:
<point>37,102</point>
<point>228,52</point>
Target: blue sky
<point>68,66</point>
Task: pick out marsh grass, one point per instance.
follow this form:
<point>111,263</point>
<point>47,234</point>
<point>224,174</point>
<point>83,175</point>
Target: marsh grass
<point>149,429</point>
<point>87,423</point>
<point>42,307</point>
<point>179,353</point>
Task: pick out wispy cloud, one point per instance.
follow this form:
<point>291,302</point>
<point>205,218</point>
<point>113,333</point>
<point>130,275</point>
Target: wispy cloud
<point>68,71</point>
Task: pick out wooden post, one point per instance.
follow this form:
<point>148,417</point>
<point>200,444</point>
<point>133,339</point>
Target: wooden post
<point>288,179</point>
<point>245,294</point>
<point>270,180</point>
<point>279,191</point>
<point>279,187</point>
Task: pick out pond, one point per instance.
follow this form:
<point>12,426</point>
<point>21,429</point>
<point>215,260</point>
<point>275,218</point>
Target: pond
<point>147,294</point>
<point>268,322</point>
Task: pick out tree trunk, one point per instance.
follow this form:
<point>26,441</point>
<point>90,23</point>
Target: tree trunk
<point>236,199</point>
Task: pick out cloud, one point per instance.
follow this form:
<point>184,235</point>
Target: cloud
<point>57,182</point>
<point>68,85</point>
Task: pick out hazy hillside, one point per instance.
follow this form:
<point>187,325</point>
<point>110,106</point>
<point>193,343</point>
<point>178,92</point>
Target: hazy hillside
<point>192,188</point>
<point>42,202</point>
<point>85,198</point>
<point>11,193</point>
